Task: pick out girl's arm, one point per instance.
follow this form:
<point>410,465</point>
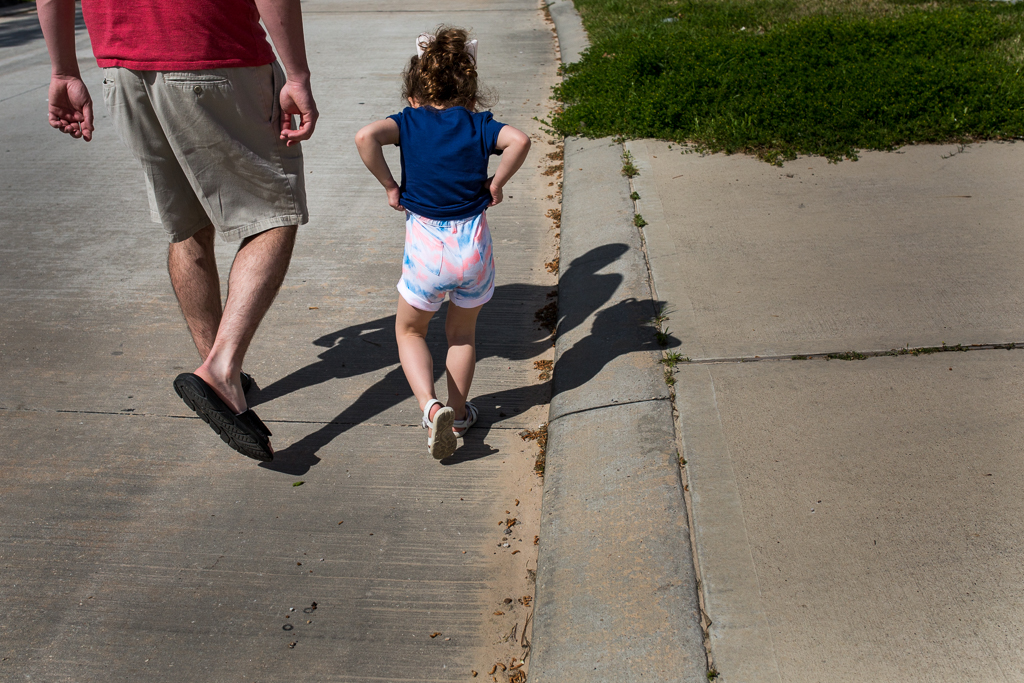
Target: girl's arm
<point>515,145</point>
<point>370,141</point>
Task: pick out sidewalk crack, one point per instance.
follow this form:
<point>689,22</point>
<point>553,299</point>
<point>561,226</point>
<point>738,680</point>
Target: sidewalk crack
<point>862,355</point>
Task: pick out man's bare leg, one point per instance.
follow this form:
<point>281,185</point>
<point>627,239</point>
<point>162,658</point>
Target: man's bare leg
<point>193,269</point>
<point>256,275</point>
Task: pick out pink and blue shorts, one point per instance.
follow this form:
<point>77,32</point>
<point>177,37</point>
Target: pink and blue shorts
<point>447,257</point>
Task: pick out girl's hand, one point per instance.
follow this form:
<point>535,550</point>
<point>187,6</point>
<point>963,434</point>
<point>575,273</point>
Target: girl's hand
<point>496,194</point>
<point>394,199</point>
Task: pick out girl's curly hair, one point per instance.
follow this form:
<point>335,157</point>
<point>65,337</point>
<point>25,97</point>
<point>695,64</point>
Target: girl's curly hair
<point>445,76</point>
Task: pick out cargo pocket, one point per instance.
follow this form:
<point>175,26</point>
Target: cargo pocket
<point>109,89</point>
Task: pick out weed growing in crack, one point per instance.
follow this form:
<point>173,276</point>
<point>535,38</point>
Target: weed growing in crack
<point>639,221</point>
<point>674,358</point>
<point>848,355</point>
<point>661,334</point>
<point>628,169</point>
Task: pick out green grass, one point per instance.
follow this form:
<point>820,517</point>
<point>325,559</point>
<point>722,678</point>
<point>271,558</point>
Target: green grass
<point>777,78</point>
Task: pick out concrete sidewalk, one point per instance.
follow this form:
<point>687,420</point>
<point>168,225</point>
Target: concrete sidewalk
<point>616,589</point>
<point>137,547</point>
<point>856,518</point>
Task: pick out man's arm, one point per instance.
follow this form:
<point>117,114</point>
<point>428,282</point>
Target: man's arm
<point>283,19</point>
<point>70,107</point>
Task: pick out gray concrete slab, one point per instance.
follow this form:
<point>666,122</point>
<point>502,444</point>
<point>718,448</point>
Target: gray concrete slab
<point>877,531</point>
<point>616,593</point>
<point>90,338</point>
<point>917,247</point>
<point>616,598</point>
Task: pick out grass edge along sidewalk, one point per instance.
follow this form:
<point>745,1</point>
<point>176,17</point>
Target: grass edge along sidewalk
<point>777,78</point>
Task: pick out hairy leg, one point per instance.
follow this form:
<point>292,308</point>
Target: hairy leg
<point>417,363</point>
<point>193,270</point>
<point>256,275</point>
<point>460,327</point>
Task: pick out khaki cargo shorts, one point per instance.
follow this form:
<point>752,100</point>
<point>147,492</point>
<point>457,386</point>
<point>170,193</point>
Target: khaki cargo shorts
<point>210,148</point>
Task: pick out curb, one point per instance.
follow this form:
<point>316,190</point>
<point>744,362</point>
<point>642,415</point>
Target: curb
<point>616,595</point>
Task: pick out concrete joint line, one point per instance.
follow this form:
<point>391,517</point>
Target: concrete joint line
<point>279,421</point>
<point>627,154</point>
<point>635,151</point>
<point>740,638</point>
<point>862,355</point>
<point>660,248</point>
<point>25,92</point>
<point>606,405</point>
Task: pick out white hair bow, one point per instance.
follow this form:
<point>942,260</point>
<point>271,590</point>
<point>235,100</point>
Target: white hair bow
<point>426,39</point>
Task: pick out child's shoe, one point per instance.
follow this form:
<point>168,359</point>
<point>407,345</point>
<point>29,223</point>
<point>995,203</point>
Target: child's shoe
<point>442,441</point>
<point>460,426</point>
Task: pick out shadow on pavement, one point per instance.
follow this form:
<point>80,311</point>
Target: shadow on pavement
<point>21,29</point>
<point>370,347</point>
<point>623,328</point>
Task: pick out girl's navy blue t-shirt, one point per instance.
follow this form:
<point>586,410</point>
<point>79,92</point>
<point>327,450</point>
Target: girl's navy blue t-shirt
<point>444,160</point>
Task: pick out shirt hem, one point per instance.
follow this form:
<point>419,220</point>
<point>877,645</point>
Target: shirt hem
<point>440,215</point>
<point>199,65</point>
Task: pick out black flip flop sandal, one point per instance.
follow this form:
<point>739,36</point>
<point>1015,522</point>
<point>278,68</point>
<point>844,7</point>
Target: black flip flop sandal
<point>245,433</point>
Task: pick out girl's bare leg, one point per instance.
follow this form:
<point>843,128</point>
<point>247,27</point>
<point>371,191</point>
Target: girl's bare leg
<point>460,327</point>
<point>417,364</point>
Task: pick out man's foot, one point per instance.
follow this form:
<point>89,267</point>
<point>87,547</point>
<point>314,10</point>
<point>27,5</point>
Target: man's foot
<point>229,391</point>
<point>232,395</point>
<point>244,432</point>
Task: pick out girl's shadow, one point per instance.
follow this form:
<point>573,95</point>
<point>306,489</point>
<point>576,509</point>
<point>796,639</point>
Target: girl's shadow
<point>507,328</point>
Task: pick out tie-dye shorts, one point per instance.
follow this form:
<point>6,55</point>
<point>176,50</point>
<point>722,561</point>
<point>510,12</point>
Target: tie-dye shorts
<point>447,257</point>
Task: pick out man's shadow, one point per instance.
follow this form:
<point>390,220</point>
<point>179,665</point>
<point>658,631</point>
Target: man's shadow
<point>507,329</point>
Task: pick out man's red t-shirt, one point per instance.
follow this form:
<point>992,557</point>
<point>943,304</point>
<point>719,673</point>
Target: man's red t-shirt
<point>176,35</point>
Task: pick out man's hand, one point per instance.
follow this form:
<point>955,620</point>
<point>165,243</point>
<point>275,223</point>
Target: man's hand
<point>395,199</point>
<point>70,109</point>
<point>297,100</point>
